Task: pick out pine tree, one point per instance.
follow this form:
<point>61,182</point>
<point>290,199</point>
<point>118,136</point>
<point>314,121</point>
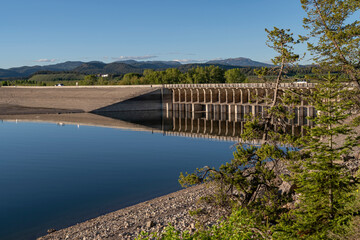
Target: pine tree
<point>251,180</point>
<point>325,185</point>
<point>334,35</point>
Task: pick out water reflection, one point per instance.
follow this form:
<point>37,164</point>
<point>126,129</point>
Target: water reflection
<point>216,125</point>
<point>53,176</point>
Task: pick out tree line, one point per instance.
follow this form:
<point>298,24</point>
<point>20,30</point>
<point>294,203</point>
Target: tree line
<point>196,74</point>
<point>208,74</point>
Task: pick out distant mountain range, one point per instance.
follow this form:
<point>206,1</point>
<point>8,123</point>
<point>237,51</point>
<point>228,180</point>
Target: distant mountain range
<point>243,62</point>
<point>123,67</point>
<point>27,71</point>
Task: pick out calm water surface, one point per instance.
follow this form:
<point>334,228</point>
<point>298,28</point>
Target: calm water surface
<point>55,176</point>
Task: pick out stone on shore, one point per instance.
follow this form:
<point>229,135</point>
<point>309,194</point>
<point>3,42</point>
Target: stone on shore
<point>150,216</point>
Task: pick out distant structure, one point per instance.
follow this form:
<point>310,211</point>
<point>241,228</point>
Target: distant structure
<point>234,99</point>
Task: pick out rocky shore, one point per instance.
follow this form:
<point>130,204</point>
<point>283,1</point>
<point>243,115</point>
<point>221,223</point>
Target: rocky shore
<point>149,216</point>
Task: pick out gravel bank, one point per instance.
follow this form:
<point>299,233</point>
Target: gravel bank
<point>148,216</point>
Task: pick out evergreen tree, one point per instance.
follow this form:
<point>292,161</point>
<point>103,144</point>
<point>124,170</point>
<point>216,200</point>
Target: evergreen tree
<point>234,76</point>
<point>334,34</point>
<point>325,185</point>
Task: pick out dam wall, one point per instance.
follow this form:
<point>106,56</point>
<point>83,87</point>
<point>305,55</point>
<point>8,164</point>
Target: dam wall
<point>85,98</point>
<point>147,101</point>
<point>213,99</point>
<point>206,110</point>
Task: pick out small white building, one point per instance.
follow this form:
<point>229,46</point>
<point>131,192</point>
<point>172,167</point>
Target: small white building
<point>104,75</point>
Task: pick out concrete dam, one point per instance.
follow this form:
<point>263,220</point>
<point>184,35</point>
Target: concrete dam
<point>212,111</point>
<point>239,98</point>
<point>232,101</point>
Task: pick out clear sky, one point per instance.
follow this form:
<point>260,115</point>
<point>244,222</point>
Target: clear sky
<point>39,32</point>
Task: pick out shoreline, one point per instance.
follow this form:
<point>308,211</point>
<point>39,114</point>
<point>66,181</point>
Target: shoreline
<point>149,216</point>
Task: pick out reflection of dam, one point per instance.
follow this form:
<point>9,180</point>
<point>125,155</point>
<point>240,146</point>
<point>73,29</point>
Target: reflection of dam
<point>216,126</point>
<point>220,126</point>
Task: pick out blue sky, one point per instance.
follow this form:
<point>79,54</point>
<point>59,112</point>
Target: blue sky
<point>40,32</point>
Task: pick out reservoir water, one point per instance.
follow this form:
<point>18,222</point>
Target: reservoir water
<point>56,175</point>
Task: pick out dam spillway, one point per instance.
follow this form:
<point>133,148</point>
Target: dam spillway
<point>231,101</point>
